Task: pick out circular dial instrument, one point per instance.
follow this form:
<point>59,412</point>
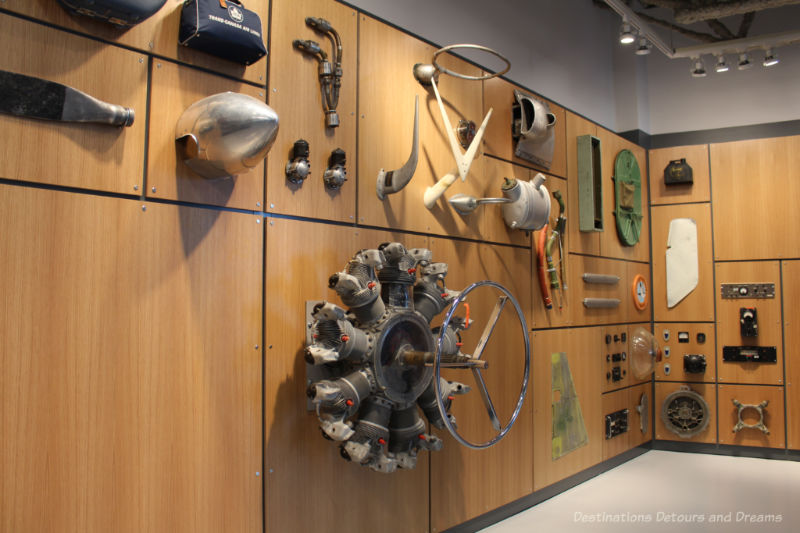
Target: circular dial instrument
<point>639,290</point>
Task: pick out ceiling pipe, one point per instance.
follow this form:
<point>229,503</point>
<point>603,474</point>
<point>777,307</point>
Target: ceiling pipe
<point>733,46</point>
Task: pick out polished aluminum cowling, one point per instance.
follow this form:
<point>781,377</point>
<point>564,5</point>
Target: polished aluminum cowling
<point>529,203</point>
<point>536,134</point>
<point>225,134</point>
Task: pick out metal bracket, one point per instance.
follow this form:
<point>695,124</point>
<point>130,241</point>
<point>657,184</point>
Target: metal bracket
<point>740,425</point>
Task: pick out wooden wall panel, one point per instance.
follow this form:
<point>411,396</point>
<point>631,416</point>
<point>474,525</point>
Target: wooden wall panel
<point>750,178</point>
<point>753,395</point>
<point>699,304</point>
<point>294,92</point>
<point>467,482</point>
<point>158,34</point>
<point>616,401</point>
<point>697,158</point>
<point>386,99</point>
<point>581,347</point>
<point>578,241</point>
<point>560,314</point>
<point>769,323</point>
<point>678,349</point>
<point>498,94</point>
<point>74,155</point>
<point>707,391</point>
<point>637,436</point>
<point>579,289</point>
<point>791,333</point>
<point>300,465</point>
<point>610,245</point>
<point>130,380</point>
<point>174,88</point>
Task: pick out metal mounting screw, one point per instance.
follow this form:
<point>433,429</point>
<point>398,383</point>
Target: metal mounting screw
<point>153,188</point>
<point>272,206</point>
<point>135,187</point>
<point>255,347</point>
<point>258,221</point>
<point>141,60</point>
<point>158,65</point>
<point>151,44</point>
<point>258,204</point>
<point>144,208</point>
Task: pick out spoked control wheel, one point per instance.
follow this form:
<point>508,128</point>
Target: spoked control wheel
<point>478,365</point>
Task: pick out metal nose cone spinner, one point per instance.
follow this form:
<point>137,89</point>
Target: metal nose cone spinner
<point>225,134</point>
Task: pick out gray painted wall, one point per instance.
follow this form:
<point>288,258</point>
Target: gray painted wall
<point>566,50</point>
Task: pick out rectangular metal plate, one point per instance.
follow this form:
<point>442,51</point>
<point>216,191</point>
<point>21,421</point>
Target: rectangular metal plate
<point>747,290</point>
<point>616,423</point>
<point>749,354</point>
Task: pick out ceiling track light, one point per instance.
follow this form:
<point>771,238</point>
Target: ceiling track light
<point>626,33</point>
<point>698,70</point>
<point>644,47</point>
<point>721,66</point>
<point>744,61</point>
<point>770,58</point>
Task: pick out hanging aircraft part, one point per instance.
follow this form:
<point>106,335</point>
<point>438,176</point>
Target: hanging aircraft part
<point>628,197</point>
<point>465,204</point>
<point>29,97</point>
<point>644,353</point>
<point>747,290</point>
<point>590,184</point>
<point>298,168</point>
<point>569,429</point>
<point>336,174</point>
<point>678,172</point>
<point>740,425</point>
<point>644,413</point>
<point>394,180</point>
<point>683,270</point>
<point>616,423</point>
<point>330,72</point>
<point>533,129</point>
<point>225,134</point>
<point>427,75</point>
<point>694,363</point>
<point>685,413</point>
<point>373,366</point>
<point>122,13</point>
<point>603,279</point>
<point>529,206</point>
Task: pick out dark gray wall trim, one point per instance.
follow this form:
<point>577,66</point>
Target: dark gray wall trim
<point>725,449</point>
<point>501,513</point>
<point>721,135</point>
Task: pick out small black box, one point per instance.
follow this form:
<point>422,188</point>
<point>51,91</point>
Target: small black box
<point>678,173</point>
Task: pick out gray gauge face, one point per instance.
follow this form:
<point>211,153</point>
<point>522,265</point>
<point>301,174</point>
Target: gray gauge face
<point>400,382</point>
<point>641,292</point>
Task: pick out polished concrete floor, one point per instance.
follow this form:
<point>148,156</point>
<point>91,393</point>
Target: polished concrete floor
<point>673,492</point>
